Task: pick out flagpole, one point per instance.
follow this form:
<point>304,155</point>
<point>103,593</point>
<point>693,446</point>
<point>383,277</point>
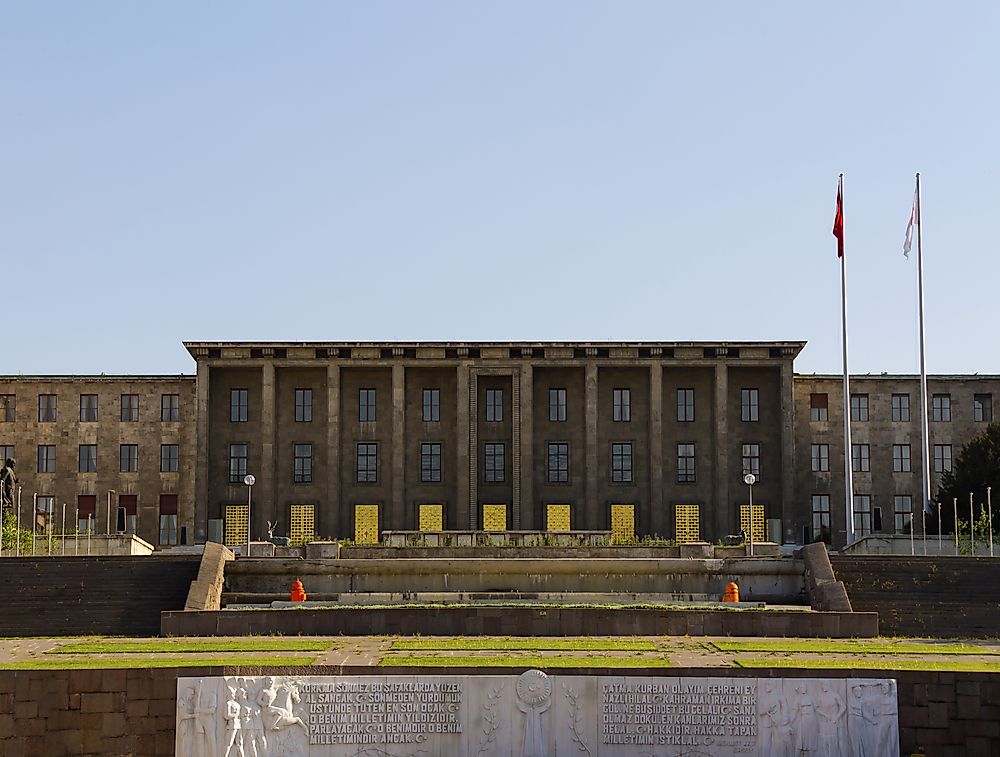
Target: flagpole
<point>848,462</point>
<point>924,430</point>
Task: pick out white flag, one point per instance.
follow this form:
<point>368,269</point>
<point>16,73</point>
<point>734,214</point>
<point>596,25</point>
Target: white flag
<point>909,228</point>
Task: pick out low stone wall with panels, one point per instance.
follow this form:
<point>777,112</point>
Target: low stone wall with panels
<point>521,621</point>
<point>114,713</point>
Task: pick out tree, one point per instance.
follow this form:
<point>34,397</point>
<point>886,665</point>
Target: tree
<point>976,467</point>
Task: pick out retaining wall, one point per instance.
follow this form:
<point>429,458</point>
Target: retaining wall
<point>71,596</point>
<point>114,713</point>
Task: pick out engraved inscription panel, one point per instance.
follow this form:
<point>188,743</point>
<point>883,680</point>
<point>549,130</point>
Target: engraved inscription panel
<point>533,715</point>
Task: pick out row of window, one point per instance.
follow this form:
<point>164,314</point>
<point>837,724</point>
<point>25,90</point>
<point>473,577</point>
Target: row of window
<point>494,462</point>
<point>87,519</point>
<point>170,408</point>
<point>621,402</point>
<point>861,458</point>
<point>866,518</point>
<point>982,407</point>
<point>128,458</point>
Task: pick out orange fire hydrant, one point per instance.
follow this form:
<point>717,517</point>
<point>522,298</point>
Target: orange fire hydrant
<point>298,593</point>
<point>732,593</point>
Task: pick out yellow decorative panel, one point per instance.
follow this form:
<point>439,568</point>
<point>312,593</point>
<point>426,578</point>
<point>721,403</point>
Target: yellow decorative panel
<point>687,523</point>
<point>431,518</point>
<point>302,523</point>
<point>622,523</point>
<point>366,524</point>
<point>758,521</point>
<point>236,525</point>
<point>557,518</point>
<point>494,517</point>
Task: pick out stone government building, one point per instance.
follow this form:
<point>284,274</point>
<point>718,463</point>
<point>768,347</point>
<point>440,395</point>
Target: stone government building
<point>350,439</point>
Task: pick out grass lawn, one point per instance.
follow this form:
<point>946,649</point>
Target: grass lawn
<point>834,646</point>
<point>511,644</point>
<point>177,646</point>
<point>869,664</point>
<point>91,663</point>
<point>525,661</point>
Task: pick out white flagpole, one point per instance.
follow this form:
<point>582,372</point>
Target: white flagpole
<point>924,431</point>
<point>848,462</point>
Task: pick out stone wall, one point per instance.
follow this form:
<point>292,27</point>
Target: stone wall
<point>957,597</point>
<point>67,596</point>
<point>114,713</point>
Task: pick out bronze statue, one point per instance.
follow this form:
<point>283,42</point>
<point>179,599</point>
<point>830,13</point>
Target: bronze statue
<point>8,480</point>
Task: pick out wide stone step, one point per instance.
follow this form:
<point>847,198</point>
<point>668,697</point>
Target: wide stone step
<point>231,599</point>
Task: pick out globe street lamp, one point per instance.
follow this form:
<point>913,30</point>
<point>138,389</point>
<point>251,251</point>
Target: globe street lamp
<point>750,479</point>
<point>249,480</point>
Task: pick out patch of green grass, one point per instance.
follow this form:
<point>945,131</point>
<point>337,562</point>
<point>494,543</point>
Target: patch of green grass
<point>525,661</point>
<point>177,646</point>
<point>847,646</point>
<point>861,663</point>
<point>96,663</point>
<point>511,644</point>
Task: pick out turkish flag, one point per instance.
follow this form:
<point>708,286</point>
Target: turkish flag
<point>838,224</point>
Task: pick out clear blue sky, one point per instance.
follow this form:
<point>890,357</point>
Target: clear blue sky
<point>472,171</point>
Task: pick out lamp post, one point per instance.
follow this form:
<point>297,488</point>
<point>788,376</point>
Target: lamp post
<point>110,492</point>
<point>249,480</point>
<point>750,479</point>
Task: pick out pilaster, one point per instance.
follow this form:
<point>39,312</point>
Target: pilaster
<point>657,502</point>
<point>595,519</point>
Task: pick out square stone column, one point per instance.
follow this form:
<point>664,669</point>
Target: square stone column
<point>786,510</point>
<point>265,508</point>
<point>398,519</point>
<point>657,503</point>
<point>200,505</point>
<point>528,517</point>
<point>593,517</point>
<point>463,436</point>
<point>721,509</point>
<point>331,519</point>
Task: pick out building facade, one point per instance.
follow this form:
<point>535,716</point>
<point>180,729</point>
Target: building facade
<point>346,440</point>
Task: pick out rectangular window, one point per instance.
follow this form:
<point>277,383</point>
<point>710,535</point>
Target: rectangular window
<point>88,458</point>
<point>366,524</point>
<point>8,403</point>
<point>303,405</point>
<point>621,463</point>
<point>86,512</point>
<point>494,405</point>
<point>495,463</point>
<point>46,408</point>
<point>818,407</point>
<point>859,407</point>
<point>237,463</point>
<point>88,408</point>
<point>301,523</point>
<point>821,516</point>
<point>687,523</point>
<point>622,405</point>
<point>45,507</point>
<point>238,405</point>
<point>982,408</point>
<point>46,458</point>
<point>862,514</point>
<point>751,460</point>
<point>128,455</point>
<point>902,508</point>
<point>237,525</point>
<point>861,458</point>
<point>685,463</point>
<point>430,517</point>
<point>168,519</point>
<point>941,407</point>
<point>367,463</point>
<point>942,458</point>
<point>557,404</point>
<point>303,464</point>
<point>130,408</point>
<point>558,463</point>
<point>366,405</point>
<point>685,405</point>
<point>432,405</point>
<point>170,408</point>
<point>6,453</point>
<point>430,462</point>
<point>753,522</point>
<point>901,408</point>
<point>622,523</point>
<point>820,458</point>
<point>749,405</point>
<point>168,458</point>
<point>495,517</point>
<point>900,458</point>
